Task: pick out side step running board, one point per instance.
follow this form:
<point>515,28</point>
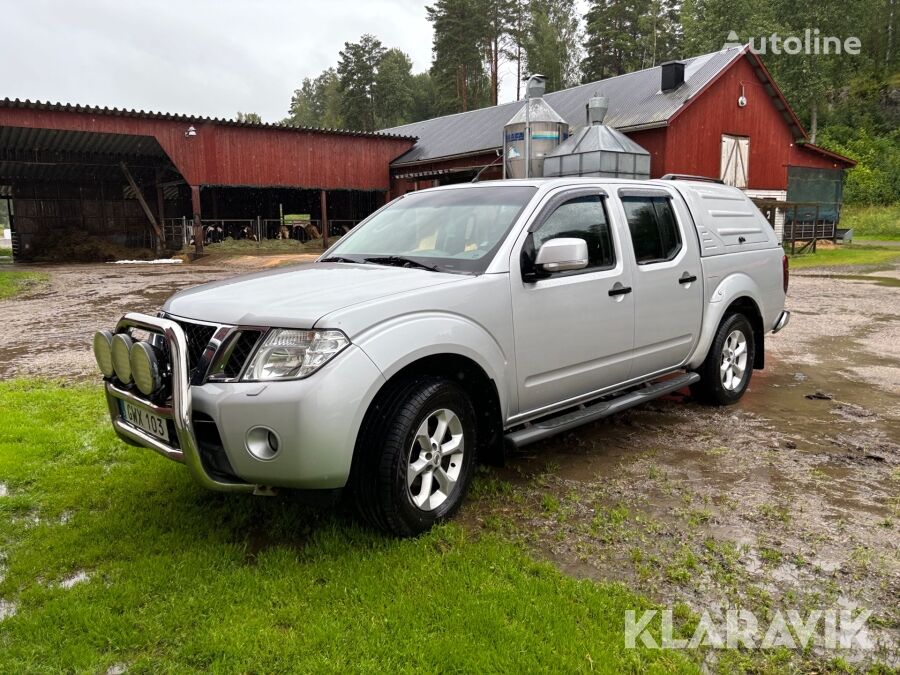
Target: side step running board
<point>557,425</point>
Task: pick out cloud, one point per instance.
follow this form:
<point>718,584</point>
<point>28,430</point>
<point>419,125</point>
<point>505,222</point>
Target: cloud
<point>196,56</point>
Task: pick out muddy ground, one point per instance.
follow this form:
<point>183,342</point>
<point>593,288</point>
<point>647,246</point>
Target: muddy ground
<point>788,500</point>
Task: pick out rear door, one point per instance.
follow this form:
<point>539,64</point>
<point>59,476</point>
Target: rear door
<point>668,284</point>
<point>572,337</point>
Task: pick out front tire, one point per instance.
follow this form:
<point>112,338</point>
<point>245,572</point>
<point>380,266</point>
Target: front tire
<point>417,457</point>
<point>725,373</point>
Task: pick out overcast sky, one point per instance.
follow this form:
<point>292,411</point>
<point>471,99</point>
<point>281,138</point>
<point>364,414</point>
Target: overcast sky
<point>206,57</point>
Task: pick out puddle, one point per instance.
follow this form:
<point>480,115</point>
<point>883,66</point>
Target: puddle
<point>891,282</point>
<point>78,578</point>
<point>4,491</point>
<point>776,502</point>
<point>8,609</point>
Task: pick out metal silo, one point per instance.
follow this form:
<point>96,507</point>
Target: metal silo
<point>547,130</point>
<point>598,150</point>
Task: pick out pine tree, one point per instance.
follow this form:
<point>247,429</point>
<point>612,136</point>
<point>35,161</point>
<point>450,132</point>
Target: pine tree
<point>249,117</point>
<point>357,70</point>
<point>317,103</point>
<point>458,65</point>
<point>393,90</point>
<point>551,43</point>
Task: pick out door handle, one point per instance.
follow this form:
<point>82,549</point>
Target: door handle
<point>687,279</point>
<point>621,290</point>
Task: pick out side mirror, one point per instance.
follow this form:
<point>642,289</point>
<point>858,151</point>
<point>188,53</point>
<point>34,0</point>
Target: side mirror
<point>562,255</point>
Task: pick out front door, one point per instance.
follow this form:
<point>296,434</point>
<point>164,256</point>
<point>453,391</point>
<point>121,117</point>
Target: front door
<point>572,336</point>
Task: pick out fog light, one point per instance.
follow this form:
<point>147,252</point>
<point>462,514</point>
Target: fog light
<point>145,368</point>
<point>121,357</point>
<point>103,352</point>
<point>262,443</point>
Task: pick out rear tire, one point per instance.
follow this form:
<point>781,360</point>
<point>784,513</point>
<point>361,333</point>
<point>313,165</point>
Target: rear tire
<point>416,456</point>
<point>726,371</point>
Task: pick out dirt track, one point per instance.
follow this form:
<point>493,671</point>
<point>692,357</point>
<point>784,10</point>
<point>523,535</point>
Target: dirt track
<point>783,501</point>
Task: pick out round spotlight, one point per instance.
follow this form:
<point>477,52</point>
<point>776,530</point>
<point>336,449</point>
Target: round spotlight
<point>121,357</point>
<point>144,367</point>
<point>103,352</point>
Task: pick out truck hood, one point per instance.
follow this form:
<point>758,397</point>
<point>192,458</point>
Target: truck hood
<point>298,296</point>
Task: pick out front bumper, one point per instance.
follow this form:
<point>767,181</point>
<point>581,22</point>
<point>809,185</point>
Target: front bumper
<point>180,413</point>
<point>316,419</point>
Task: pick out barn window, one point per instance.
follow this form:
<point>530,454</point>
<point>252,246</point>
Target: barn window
<point>735,160</point>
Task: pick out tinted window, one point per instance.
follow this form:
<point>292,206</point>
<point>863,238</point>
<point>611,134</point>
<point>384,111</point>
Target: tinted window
<point>582,218</point>
<point>654,232</point>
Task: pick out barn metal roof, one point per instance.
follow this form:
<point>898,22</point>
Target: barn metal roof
<point>635,102</point>
<point>30,139</point>
<point>149,114</point>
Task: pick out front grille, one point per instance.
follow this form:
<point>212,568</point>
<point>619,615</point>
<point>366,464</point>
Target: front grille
<point>243,347</point>
<point>198,336</point>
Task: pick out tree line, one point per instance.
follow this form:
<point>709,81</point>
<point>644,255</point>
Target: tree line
<point>849,102</point>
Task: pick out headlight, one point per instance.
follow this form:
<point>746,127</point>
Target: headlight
<point>145,368</point>
<point>289,354</point>
<point>121,357</point>
<point>103,352</point>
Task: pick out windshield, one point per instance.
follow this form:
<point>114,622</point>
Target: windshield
<point>447,230</point>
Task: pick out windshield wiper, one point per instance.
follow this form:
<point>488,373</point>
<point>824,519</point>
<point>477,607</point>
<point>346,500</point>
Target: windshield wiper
<point>401,261</point>
<point>341,259</point>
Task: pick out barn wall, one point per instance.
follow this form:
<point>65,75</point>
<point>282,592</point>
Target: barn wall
<point>654,142</point>
<point>240,155</point>
<point>801,156</point>
<point>434,172</point>
<point>694,136</point>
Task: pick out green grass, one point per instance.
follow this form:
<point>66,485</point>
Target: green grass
<point>14,282</point>
<point>181,579</point>
<point>881,223</point>
<point>5,252</point>
<point>846,254</point>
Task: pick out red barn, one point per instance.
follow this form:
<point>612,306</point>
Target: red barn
<point>137,178</point>
<point>140,178</point>
<point>720,115</point>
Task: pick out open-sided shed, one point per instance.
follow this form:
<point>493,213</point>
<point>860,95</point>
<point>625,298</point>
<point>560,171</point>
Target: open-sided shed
<point>133,176</point>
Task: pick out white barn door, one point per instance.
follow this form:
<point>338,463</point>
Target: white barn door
<point>735,160</point>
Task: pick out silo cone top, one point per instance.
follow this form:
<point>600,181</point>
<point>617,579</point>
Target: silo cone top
<point>540,111</point>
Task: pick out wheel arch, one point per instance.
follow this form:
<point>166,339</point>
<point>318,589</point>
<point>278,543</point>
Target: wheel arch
<point>461,370</point>
<point>747,306</point>
<point>736,293</point>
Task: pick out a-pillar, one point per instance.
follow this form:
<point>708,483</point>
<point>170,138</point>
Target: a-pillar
<point>198,226</point>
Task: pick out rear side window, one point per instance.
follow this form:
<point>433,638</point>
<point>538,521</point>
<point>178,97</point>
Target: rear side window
<point>582,218</point>
<point>654,232</point>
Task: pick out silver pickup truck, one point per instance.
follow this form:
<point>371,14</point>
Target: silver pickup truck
<point>451,324</point>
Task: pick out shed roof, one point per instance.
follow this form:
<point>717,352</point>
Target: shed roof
<point>635,102</point>
<point>152,115</point>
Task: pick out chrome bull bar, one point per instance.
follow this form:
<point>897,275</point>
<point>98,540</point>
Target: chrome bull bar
<point>181,411</point>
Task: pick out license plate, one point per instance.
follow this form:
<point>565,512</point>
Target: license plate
<point>147,421</point>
